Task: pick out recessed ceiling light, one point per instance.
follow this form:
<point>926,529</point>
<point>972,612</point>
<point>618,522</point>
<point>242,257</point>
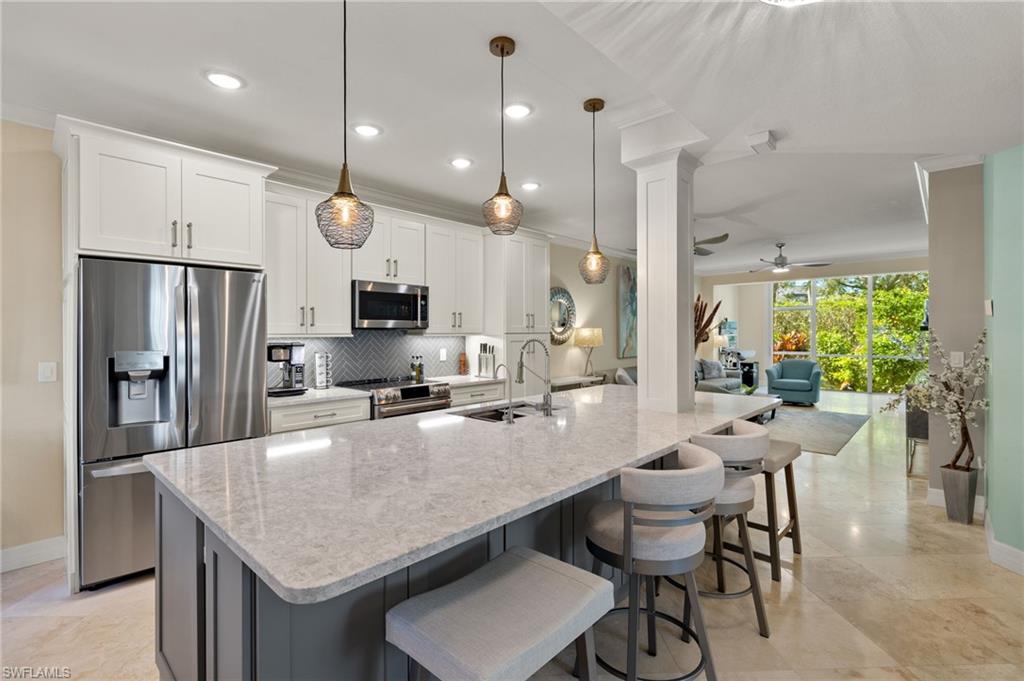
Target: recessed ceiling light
<point>224,80</point>
<point>518,111</point>
<point>461,163</point>
<point>530,186</point>
<point>366,130</point>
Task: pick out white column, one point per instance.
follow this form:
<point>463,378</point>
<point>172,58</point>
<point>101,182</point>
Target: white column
<point>664,231</point>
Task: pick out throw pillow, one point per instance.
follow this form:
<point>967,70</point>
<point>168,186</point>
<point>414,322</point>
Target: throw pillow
<point>712,368</point>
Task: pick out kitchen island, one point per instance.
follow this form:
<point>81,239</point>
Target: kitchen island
<point>277,557</point>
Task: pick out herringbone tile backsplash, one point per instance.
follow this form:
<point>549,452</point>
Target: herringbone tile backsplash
<point>378,354</point>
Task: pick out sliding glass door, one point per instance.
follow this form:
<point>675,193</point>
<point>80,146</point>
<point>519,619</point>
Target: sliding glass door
<point>864,331</point>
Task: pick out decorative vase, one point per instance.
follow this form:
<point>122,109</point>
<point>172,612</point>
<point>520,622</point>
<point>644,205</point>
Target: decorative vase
<point>959,488</point>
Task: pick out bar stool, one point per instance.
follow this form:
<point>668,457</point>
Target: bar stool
<point>503,621</point>
<point>742,450</point>
<point>656,529</point>
<point>781,455</point>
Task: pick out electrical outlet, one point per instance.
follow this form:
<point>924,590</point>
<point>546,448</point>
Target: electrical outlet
<point>444,354</point>
<point>47,372</point>
<point>956,358</point>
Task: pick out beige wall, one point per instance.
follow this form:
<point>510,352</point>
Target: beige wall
<point>31,470</point>
<point>748,305</point>
<point>596,305</point>
<point>956,273</point>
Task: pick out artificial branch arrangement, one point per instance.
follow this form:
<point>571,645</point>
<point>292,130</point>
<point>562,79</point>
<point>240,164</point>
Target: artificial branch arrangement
<point>953,392</point>
<point>702,321</point>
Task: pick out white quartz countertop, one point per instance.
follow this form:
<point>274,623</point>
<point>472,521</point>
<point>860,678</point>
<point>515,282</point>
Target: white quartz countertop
<point>313,396</point>
<point>465,380</point>
<point>320,512</point>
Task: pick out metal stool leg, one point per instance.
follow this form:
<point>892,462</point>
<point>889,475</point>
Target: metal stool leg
<point>755,583</point>
<point>586,664</point>
<point>702,632</point>
<point>632,626</point>
<point>794,514</point>
<point>719,563</point>
<point>652,633</point>
<point>773,527</point>
<point>686,615</point>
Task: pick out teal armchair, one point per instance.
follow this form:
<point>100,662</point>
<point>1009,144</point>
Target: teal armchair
<point>795,380</point>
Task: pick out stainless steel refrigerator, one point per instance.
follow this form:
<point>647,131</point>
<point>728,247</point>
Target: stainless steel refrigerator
<point>169,357</point>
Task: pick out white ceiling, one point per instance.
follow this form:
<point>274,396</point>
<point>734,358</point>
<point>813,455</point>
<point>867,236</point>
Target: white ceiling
<point>855,92</point>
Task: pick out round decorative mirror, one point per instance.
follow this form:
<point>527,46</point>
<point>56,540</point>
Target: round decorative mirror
<point>563,315</point>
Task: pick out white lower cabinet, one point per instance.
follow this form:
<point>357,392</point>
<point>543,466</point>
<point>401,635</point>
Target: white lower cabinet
<point>473,393</point>
<point>309,284</point>
<point>302,416</point>
<point>455,277</point>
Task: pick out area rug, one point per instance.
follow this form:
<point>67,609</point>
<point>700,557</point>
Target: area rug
<point>824,432</point>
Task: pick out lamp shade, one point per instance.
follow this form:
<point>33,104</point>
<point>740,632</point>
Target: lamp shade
<point>721,341</point>
<point>587,337</point>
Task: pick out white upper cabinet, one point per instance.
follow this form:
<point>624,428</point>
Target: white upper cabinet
<point>221,205</point>
<point>309,284</point>
<point>143,197</point>
<point>516,287</point>
<point>328,282</point>
<point>286,264</point>
<point>455,277</point>
<point>538,289</point>
<point>130,198</point>
<point>394,251</point>
<point>469,262</point>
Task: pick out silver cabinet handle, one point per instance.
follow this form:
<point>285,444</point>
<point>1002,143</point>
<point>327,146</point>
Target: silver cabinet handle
<point>527,320</point>
<point>302,318</point>
<point>460,320</point>
<point>188,234</point>
<point>477,394</point>
<point>174,233</point>
<point>312,315</point>
<point>389,268</point>
<point>453,320</point>
<point>325,416</point>
<point>396,267</point>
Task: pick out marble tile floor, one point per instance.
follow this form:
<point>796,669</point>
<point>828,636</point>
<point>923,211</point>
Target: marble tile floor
<point>886,589</point>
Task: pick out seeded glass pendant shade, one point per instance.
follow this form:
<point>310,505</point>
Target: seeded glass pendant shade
<point>343,219</point>
<point>594,265</point>
<point>502,212</point>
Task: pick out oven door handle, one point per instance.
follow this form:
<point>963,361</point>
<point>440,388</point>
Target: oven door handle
<point>402,408</point>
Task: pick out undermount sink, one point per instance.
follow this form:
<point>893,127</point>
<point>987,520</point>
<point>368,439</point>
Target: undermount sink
<point>497,414</point>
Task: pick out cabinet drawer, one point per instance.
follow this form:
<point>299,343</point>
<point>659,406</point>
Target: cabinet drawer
<point>470,394</point>
<point>299,417</point>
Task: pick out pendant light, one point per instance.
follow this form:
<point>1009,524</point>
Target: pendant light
<point>502,213</point>
<point>594,265</point>
<point>343,219</point>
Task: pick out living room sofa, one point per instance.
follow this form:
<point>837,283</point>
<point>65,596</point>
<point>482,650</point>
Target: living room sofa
<point>795,380</point>
<point>731,382</point>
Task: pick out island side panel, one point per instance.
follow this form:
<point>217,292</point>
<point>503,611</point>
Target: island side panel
<point>179,586</point>
<point>230,596</point>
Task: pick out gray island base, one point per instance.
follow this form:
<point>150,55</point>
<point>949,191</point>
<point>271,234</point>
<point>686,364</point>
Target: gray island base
<point>277,558</point>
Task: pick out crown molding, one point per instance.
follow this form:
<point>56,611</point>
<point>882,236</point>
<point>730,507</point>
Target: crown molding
<point>934,164</point>
<point>584,245</point>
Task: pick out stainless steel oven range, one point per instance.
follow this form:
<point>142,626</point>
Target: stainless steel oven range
<point>401,395</point>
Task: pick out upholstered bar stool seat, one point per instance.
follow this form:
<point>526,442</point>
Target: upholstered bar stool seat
<point>737,492</point>
<point>780,454</point>
<point>605,527</point>
<point>503,621</point>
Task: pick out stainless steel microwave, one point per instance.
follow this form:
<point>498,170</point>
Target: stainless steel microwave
<point>384,305</point>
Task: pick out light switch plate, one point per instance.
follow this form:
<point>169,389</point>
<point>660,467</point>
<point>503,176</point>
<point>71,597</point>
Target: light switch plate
<point>47,372</point>
<point>988,307</point>
<point>956,358</point>
<point>444,354</point>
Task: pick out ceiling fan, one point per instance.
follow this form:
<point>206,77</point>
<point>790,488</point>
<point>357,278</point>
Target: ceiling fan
<point>781,264</point>
<point>698,245</point>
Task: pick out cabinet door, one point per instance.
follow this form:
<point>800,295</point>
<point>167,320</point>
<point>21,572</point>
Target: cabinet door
<point>221,207</point>
<point>407,251</point>
<point>537,285</point>
<point>442,280</point>
<point>372,261</point>
<point>513,344</point>
<point>534,384</point>
<point>130,198</point>
<point>328,283</point>
<point>469,265</point>
<point>286,265</point>
<point>517,305</point>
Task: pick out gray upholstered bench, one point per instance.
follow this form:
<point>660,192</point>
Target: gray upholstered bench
<point>503,621</point>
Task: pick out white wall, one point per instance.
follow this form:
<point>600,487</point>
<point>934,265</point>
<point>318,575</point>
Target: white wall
<point>748,305</point>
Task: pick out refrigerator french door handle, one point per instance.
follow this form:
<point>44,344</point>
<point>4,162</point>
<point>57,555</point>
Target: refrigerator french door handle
<point>193,358</point>
<point>182,404</point>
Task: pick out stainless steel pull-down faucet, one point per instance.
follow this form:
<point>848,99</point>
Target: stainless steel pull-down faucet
<point>546,405</point>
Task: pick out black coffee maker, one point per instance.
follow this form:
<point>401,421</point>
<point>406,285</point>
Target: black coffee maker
<point>291,358</point>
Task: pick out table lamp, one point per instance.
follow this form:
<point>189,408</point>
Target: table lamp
<point>720,342</point>
<point>589,338</point>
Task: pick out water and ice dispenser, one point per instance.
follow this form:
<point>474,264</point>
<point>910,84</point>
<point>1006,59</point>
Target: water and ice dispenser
<point>140,387</point>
